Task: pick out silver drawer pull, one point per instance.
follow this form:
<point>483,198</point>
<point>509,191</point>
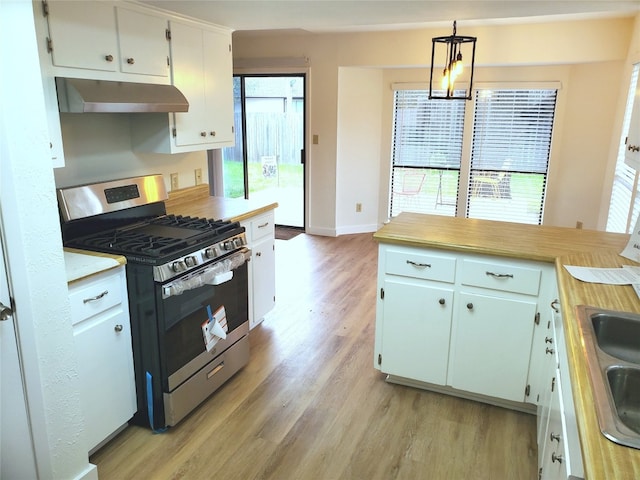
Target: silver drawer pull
<point>420,265</point>
<point>118,328</point>
<point>97,297</point>
<point>499,275</point>
<point>263,225</point>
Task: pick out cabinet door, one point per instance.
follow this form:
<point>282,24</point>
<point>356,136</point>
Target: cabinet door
<point>144,48</point>
<point>83,35</point>
<point>187,72</point>
<point>632,147</point>
<point>105,368</point>
<point>264,279</point>
<point>416,326</point>
<point>218,87</point>
<point>554,461</point>
<point>491,345</point>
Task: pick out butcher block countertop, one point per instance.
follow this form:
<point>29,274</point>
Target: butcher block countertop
<point>602,458</point>
<point>196,202</point>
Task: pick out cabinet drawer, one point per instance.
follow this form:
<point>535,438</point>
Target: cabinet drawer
<point>420,265</point>
<point>501,276</point>
<point>261,227</point>
<point>94,295</point>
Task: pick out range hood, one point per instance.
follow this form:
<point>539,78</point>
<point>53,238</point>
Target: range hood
<point>100,96</point>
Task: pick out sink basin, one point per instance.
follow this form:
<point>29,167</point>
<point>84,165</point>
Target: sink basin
<point>624,384</point>
<point>618,334</point>
<point>612,345</point>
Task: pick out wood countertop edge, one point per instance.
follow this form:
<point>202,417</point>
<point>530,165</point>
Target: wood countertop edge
<point>118,258</point>
<point>602,458</point>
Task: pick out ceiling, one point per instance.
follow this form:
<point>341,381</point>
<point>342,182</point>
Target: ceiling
<point>370,15</point>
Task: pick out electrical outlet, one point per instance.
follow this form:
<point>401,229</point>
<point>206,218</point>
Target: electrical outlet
<point>198,174</point>
<point>358,207</point>
<point>174,181</point>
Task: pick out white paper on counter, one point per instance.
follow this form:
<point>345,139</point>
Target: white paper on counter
<point>608,276</point>
<point>632,250</point>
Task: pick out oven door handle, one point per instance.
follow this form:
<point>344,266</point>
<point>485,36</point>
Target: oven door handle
<point>215,274</point>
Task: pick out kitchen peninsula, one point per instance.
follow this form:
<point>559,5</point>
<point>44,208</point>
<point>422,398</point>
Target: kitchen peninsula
<point>461,263</point>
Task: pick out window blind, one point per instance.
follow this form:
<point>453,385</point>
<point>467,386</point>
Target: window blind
<point>624,204</point>
<point>427,150</point>
<point>510,154</point>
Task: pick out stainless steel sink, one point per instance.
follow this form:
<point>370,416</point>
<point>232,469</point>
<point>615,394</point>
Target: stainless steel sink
<point>612,344</point>
<point>624,384</point>
<point>618,334</point>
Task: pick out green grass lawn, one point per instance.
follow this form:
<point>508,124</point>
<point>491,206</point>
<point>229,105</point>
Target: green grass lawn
<point>287,176</point>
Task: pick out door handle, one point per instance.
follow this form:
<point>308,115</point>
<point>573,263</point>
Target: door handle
<point>5,312</point>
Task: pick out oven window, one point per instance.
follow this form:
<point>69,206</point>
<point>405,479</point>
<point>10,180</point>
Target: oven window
<point>183,316</point>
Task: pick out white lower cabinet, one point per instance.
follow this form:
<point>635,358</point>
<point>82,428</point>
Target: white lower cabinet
<point>415,330</point>
<point>102,337</point>
<point>490,345</point>
<point>559,454</point>
<point>260,233</point>
<point>458,320</point>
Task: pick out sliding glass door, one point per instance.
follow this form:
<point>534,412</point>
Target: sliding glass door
<point>267,163</point>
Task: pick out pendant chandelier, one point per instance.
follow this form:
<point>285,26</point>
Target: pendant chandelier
<point>453,66</point>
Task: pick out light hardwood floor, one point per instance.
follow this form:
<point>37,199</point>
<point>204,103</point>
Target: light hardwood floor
<point>310,405</point>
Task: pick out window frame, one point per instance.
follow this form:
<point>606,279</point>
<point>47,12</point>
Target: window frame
<point>464,181</point>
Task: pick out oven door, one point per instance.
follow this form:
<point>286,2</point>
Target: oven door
<point>220,288</point>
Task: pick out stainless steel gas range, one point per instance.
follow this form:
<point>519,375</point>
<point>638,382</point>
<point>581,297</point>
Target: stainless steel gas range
<point>187,286</point>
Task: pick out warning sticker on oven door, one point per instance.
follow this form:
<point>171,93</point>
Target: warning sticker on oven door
<point>215,327</point>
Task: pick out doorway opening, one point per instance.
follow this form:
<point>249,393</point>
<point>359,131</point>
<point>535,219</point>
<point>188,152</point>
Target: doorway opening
<point>268,161</point>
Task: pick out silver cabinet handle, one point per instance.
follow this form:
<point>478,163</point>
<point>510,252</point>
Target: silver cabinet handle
<point>548,340</point>
<point>470,306</point>
<point>549,350</point>
<point>633,148</point>
<point>555,305</point>
<point>5,312</point>
<point>554,436</point>
<point>499,275</point>
<point>441,301</point>
<point>212,133</point>
<point>556,458</point>
<point>108,58</point>
<point>118,328</point>
<point>203,134</point>
<point>263,225</point>
<point>97,297</point>
<point>420,265</point>
<point>130,61</point>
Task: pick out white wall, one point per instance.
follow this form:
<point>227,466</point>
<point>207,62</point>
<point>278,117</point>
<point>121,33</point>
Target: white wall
<point>358,149</point>
<point>35,259</point>
<point>97,147</point>
<point>582,54</point>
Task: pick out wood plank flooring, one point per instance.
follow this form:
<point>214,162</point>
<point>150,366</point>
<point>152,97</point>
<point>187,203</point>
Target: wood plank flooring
<point>310,405</point>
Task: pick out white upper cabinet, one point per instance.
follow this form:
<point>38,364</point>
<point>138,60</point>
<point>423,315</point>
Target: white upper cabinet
<point>632,147</point>
<point>202,69</point>
<point>143,43</point>
<point>105,41</point>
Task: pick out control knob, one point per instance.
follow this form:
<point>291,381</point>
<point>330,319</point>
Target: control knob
<point>228,245</point>
<point>238,242</point>
<point>190,261</point>
<point>210,252</point>
<point>178,266</point>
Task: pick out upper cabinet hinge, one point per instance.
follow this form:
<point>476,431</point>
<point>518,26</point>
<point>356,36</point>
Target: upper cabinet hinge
<point>536,319</point>
<point>527,391</point>
<point>174,132</point>
<point>168,64</point>
<point>229,48</point>
<point>233,129</point>
<point>379,359</point>
<point>382,294</point>
<point>45,8</point>
<point>167,34</point>
<point>49,45</point>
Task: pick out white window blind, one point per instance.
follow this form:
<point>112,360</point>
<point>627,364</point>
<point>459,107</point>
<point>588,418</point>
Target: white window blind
<point>624,204</point>
<point>427,150</point>
<point>510,154</point>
